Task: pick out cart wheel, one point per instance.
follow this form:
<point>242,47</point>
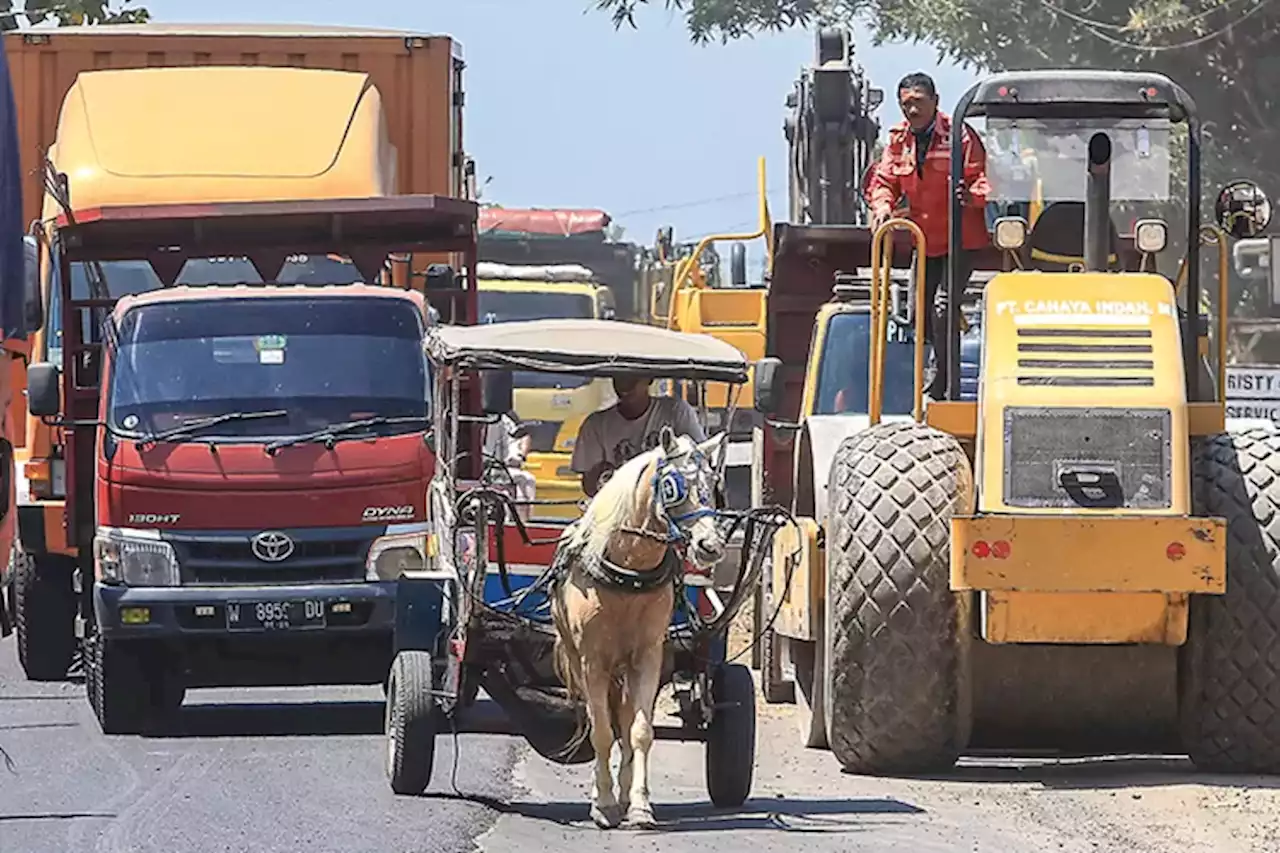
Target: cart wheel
<point>731,737</point>
<point>411,723</point>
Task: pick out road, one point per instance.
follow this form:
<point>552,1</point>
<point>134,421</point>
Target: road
<point>244,775</point>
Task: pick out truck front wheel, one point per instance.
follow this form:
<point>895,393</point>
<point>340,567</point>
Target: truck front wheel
<point>44,605</point>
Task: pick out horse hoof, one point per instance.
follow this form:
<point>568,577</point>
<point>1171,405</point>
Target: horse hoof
<point>640,818</point>
<point>606,817</point>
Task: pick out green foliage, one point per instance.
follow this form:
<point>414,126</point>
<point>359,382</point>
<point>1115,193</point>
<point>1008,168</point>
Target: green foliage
<point>16,13</point>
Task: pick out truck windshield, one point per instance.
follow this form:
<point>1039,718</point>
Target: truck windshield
<point>498,306</point>
<point>843,370</point>
<point>127,278</point>
<point>324,360</point>
<point>1046,159</point>
<point>504,306</point>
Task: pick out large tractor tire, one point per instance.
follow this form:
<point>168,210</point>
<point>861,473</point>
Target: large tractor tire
<point>1229,672</point>
<point>44,605</point>
<point>896,686</point>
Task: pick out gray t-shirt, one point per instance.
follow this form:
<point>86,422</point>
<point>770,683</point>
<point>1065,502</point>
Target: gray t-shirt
<point>606,436</point>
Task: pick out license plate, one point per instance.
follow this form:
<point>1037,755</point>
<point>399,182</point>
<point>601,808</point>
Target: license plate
<point>275,615</point>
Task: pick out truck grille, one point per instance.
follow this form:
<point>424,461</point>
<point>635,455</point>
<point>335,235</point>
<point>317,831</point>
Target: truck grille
<point>1093,458</point>
<point>1085,358</point>
<point>225,558</point>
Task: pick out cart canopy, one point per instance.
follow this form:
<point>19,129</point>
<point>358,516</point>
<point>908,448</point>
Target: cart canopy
<point>593,347</point>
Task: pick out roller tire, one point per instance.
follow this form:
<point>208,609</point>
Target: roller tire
<point>1229,668</point>
<point>896,661</point>
<point>44,609</point>
<point>411,723</point>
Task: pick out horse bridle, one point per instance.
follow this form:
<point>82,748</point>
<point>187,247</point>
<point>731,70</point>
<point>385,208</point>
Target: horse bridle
<point>678,502</point>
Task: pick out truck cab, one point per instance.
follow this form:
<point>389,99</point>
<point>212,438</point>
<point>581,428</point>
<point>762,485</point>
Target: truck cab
<point>247,463</point>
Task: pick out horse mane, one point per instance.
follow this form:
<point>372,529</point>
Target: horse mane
<point>611,507</point>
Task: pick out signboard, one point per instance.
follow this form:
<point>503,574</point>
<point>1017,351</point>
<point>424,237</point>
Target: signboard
<point>1253,391</point>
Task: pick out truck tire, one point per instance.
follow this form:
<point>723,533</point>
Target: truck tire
<point>895,654</point>
<point>1228,672</point>
<point>116,682</point>
<point>412,718</point>
<point>44,605</point>
<point>776,689</point>
<point>731,737</point>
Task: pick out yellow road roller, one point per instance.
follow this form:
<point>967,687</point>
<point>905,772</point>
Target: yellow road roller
<point>1083,555</point>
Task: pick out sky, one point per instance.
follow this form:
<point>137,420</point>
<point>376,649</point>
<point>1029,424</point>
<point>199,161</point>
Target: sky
<point>565,111</point>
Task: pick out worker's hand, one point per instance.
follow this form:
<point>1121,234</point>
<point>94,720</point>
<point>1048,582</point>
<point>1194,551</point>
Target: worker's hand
<point>879,216</point>
<point>596,477</point>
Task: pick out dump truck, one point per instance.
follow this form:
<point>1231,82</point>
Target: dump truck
<point>330,142</point>
<point>550,407</point>
<point>552,237</point>
<point>19,301</point>
<point>405,106</point>
<point>1080,558</point>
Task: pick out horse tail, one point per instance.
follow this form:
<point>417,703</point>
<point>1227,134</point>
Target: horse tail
<point>567,661</point>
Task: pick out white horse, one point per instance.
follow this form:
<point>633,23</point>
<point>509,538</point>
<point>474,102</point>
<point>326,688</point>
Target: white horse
<point>624,558</point>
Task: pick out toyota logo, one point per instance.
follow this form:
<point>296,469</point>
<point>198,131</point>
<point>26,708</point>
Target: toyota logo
<point>271,546</point>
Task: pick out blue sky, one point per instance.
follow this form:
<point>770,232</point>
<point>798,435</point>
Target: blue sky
<point>564,111</point>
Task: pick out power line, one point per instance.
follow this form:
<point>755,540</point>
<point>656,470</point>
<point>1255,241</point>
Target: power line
<point>701,202</point>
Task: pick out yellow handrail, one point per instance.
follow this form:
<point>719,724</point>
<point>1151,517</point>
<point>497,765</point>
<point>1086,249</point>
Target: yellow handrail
<point>1212,235</point>
<point>684,272</point>
<point>881,282</point>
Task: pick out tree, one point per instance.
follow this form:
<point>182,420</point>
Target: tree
<point>17,13</point>
<point>1224,52</point>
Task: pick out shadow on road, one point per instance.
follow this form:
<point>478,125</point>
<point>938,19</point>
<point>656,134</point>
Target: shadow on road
<point>288,719</point>
<point>1068,773</point>
<point>779,814</point>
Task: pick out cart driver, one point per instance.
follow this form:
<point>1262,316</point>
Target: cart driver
<point>610,437</point>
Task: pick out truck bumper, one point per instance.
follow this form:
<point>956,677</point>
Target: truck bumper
<point>1087,580</point>
<point>1048,553</point>
<point>193,612</point>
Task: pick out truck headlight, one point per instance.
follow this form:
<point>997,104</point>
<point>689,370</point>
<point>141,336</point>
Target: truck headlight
<point>392,555</point>
<point>134,557</point>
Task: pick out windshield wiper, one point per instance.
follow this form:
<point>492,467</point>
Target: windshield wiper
<point>191,427</point>
<point>329,435</point>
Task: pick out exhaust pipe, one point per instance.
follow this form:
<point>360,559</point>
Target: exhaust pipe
<point>1097,205</point>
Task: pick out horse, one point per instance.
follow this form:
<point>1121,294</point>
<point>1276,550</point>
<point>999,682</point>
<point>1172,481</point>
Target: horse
<point>614,600</point>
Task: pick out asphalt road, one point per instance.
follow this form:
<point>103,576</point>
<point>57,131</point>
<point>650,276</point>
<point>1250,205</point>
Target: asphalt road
<point>301,770</point>
<point>247,770</point>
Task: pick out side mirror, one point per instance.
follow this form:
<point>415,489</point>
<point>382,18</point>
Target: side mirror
<point>1242,209</point>
<point>33,299</point>
<point>497,392</point>
<point>738,265</point>
<point>767,385</point>
<point>44,386</point>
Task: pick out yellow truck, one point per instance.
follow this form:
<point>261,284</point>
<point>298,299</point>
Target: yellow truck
<point>549,407</point>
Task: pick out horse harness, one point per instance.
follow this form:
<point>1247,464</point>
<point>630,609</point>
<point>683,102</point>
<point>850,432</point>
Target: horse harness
<point>679,503</point>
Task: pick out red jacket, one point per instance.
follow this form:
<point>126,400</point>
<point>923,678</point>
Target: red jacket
<point>928,203</point>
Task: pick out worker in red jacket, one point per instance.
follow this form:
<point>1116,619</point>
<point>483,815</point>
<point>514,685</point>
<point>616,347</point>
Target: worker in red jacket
<point>911,181</point>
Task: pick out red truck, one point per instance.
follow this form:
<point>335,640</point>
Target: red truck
<point>248,465</point>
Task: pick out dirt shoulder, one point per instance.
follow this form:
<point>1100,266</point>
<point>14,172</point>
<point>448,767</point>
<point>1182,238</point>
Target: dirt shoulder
<point>1126,804</point>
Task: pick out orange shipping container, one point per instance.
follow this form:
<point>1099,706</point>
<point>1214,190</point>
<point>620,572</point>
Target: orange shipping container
<point>419,77</point>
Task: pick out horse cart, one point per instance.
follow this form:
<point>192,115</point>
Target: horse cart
<point>490,593</point>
